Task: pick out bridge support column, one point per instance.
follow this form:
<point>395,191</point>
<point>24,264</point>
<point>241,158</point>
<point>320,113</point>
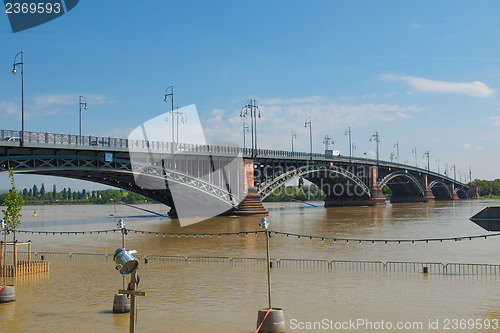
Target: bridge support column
<point>252,204</point>
<point>428,195</point>
<point>377,197</point>
<point>454,195</point>
<point>473,193</point>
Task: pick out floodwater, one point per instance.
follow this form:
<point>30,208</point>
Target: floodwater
<point>77,294</point>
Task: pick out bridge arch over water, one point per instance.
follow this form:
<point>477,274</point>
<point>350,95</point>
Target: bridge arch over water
<point>324,176</point>
<point>205,173</point>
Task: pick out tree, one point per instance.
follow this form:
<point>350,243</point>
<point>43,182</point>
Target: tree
<point>13,203</point>
<point>42,191</point>
<point>35,191</point>
<point>54,192</point>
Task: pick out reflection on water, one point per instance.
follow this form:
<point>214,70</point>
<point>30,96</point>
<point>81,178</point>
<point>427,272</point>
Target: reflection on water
<point>78,294</point>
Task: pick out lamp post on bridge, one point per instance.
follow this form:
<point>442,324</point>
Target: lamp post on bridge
<point>327,141</point>
<point>348,132</point>
<point>437,161</point>
<point>294,136</point>
<point>375,137</point>
<point>20,64</point>
<point>414,151</point>
<point>446,169</point>
<point>252,109</point>
<point>183,120</point>
<point>391,156</point>
<point>454,172</point>
<point>245,129</point>
<point>309,122</point>
<point>82,103</point>
<point>426,154</point>
<point>396,145</point>
<point>171,95</point>
<point>353,148</point>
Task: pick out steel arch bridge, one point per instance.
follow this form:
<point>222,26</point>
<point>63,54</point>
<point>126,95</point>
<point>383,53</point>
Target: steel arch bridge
<point>208,174</point>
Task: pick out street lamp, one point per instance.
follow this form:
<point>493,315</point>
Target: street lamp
<point>245,129</point>
<point>252,109</point>
<point>82,103</point>
<point>426,154</point>
<point>375,137</point>
<point>294,136</point>
<point>308,122</point>
<point>20,64</point>
<point>348,132</point>
<point>392,156</point>
<point>415,152</point>
<point>127,264</point>
<point>437,161</point>
<point>171,95</point>
<point>183,120</point>
<point>396,145</point>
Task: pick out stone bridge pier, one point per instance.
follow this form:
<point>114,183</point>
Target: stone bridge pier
<point>252,204</point>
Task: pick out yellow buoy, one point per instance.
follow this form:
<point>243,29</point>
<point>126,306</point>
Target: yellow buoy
<point>34,214</point>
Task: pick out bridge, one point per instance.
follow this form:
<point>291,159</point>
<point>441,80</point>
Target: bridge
<point>219,178</point>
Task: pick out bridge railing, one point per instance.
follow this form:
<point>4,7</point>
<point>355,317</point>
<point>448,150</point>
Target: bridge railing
<point>13,136</point>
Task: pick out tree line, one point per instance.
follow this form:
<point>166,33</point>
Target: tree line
<point>41,196</point>
<point>488,188</point>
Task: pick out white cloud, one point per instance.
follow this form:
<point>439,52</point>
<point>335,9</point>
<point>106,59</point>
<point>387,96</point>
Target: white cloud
<point>281,116</point>
<point>495,120</point>
<point>9,107</point>
<point>56,104</point>
<point>469,147</point>
<point>474,89</point>
<point>416,25</point>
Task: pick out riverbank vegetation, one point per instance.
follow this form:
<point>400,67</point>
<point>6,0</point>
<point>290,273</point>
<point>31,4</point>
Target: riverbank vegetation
<point>41,196</point>
<point>488,188</point>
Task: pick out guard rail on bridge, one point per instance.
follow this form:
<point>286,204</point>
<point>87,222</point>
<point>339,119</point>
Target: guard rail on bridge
<point>12,138</point>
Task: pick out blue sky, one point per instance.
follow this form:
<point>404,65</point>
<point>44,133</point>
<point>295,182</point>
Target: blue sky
<point>425,74</point>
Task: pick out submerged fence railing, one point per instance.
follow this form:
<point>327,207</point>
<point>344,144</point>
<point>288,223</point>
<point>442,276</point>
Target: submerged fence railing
<point>288,263</point>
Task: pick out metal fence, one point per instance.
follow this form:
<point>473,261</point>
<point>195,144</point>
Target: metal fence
<point>286,263</point>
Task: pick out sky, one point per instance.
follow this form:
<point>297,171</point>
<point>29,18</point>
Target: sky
<point>424,74</point>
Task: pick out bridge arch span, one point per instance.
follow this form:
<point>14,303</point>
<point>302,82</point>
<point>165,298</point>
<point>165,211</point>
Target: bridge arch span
<point>327,173</point>
<point>440,190</point>
<point>154,181</point>
<point>402,184</point>
<point>462,194</point>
